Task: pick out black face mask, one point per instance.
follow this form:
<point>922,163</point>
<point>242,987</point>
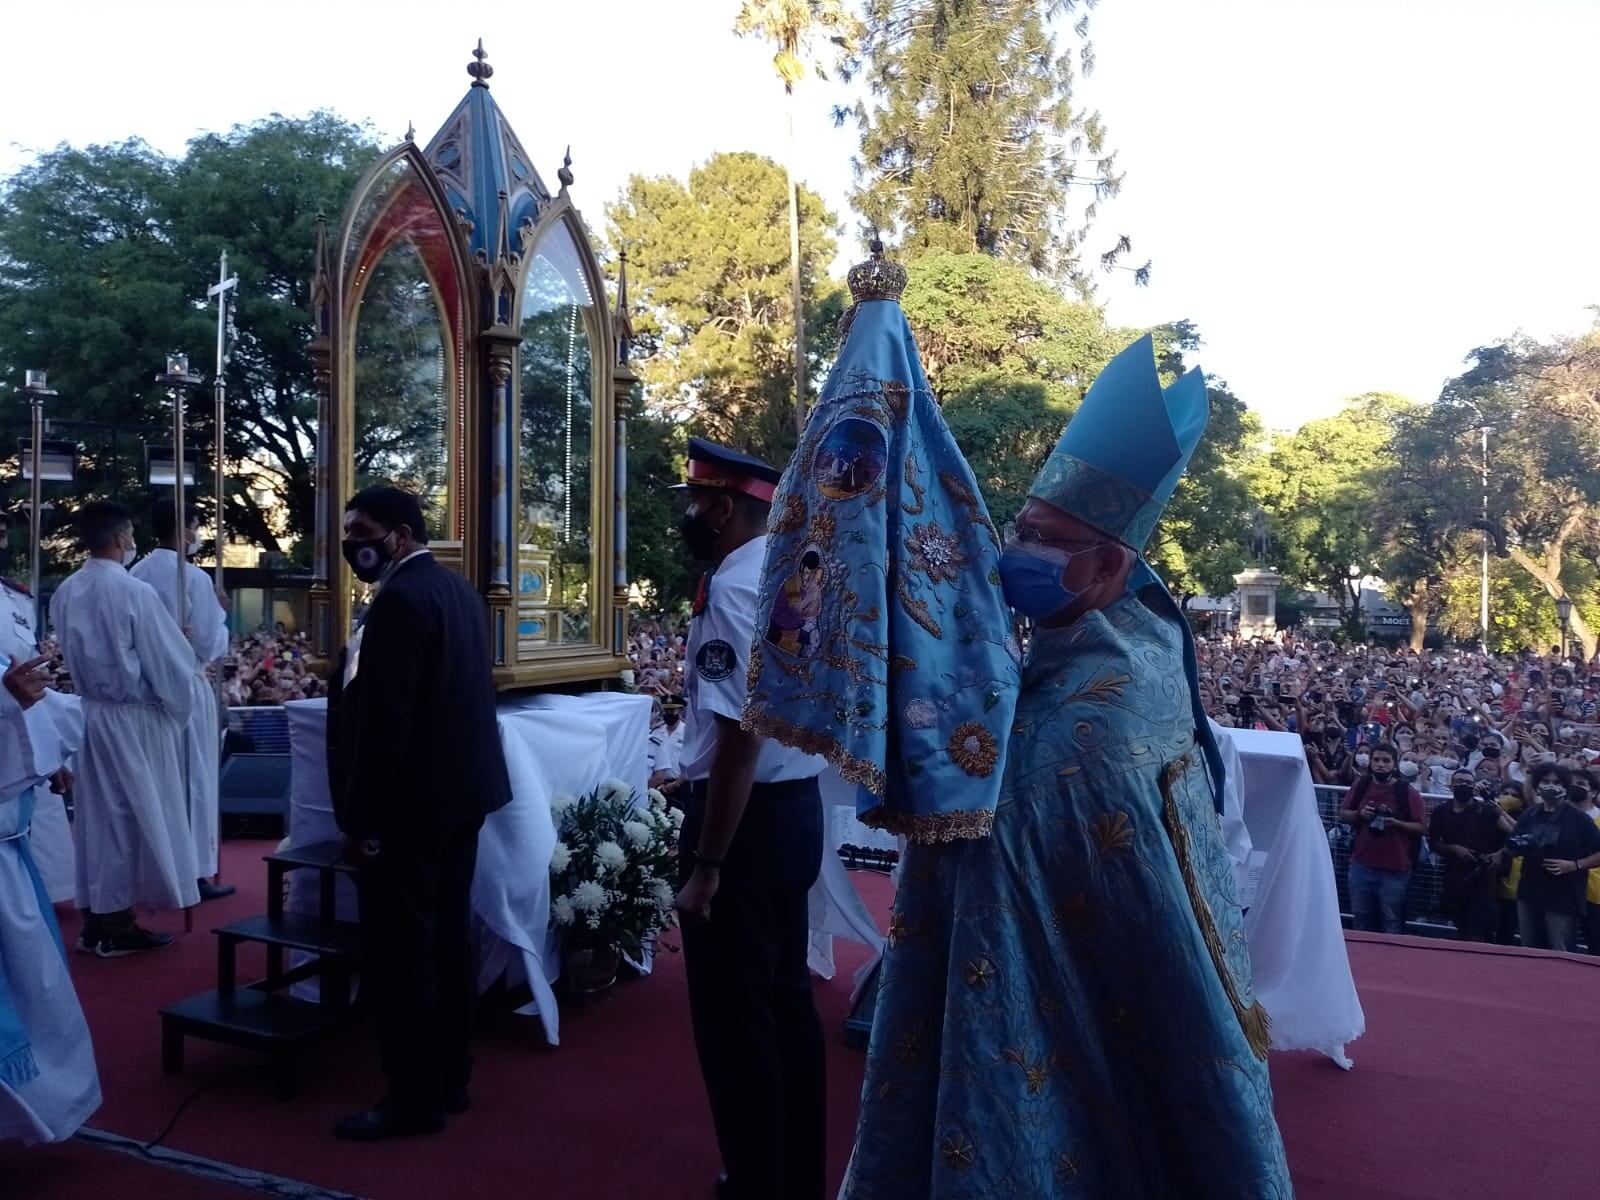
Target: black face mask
<point>368,556</point>
<point>1382,776</point>
<point>698,536</point>
<point>1464,793</point>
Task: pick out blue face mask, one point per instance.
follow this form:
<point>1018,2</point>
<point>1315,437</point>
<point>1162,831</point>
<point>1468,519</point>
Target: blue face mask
<point>1031,577</point>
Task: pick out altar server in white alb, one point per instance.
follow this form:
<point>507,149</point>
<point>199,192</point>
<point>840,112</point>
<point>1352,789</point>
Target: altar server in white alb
<point>48,1083</point>
<point>51,839</point>
<point>206,625</point>
<point>135,672</point>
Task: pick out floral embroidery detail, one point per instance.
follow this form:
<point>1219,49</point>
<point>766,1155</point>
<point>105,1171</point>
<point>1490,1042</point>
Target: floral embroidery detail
<point>979,973</point>
<point>1112,833</point>
<point>823,527</point>
<point>921,713</point>
<point>1037,1074</point>
<point>1072,915</point>
<point>899,928</point>
<point>916,609</point>
<point>898,397</point>
<point>916,487</point>
<point>1066,1168</point>
<point>901,663</point>
<point>909,1048</point>
<point>974,749</point>
<point>1101,690</point>
<point>791,517</point>
<point>935,553</point>
<point>959,1152</point>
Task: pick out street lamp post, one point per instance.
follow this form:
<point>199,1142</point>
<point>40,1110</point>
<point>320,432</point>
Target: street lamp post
<point>35,387</point>
<point>1483,566</point>
<point>1564,612</point>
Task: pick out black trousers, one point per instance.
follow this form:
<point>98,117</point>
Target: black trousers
<point>756,1029</point>
<point>417,973</point>
<point>1475,914</point>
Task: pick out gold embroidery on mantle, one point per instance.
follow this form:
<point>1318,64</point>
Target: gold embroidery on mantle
<point>1253,1019</point>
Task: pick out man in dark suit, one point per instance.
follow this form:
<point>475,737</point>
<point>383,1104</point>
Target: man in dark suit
<point>415,765</point>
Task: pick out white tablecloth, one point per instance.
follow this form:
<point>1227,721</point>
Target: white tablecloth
<point>836,907</point>
<point>552,744</point>
<point>1297,949</point>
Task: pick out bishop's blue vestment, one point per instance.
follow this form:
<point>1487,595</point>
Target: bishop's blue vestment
<point>1065,1006</point>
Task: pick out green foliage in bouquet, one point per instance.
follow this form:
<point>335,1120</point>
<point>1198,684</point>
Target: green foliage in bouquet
<point>611,875</point>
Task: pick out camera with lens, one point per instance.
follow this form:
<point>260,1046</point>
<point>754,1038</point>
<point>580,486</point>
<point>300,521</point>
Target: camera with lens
<point>1380,821</point>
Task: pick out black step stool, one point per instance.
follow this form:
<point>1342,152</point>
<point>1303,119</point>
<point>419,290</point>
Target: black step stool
<point>262,1016</point>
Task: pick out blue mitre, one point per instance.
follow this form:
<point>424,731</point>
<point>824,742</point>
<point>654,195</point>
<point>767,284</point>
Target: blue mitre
<point>882,638</point>
<point>1126,447</point>
<point>1115,468</point>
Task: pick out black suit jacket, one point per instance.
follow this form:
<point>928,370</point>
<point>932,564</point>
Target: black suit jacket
<point>413,747</point>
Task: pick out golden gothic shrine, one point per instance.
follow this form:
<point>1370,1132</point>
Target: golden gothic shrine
<point>465,351</point>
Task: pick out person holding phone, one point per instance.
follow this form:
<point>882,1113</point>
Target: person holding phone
<point>1387,814</point>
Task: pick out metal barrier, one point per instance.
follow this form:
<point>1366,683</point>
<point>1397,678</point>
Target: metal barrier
<point>1423,912</point>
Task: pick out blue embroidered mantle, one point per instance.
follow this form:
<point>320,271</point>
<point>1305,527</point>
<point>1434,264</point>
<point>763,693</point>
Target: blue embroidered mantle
<point>882,640</point>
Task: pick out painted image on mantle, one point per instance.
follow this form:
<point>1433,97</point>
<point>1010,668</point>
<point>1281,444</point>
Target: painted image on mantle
<point>798,606</point>
<point>851,459</point>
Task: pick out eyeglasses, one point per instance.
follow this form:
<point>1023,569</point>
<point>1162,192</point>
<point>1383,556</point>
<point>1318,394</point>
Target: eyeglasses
<point>1027,535</point>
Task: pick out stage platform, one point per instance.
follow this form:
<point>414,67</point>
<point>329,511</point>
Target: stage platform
<point>1475,1079</point>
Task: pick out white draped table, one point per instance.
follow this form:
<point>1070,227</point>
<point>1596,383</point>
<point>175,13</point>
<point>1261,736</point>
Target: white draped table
<point>1297,951</point>
<point>553,745</point>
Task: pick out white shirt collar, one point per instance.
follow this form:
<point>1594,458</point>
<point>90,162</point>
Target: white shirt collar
<point>755,548</point>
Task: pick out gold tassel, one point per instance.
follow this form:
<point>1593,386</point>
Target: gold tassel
<point>1253,1019</point>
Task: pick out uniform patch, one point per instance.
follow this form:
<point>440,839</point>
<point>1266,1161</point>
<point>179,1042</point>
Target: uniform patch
<point>715,660</point>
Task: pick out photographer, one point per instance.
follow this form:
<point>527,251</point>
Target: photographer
<point>1387,814</point>
<point>1558,844</point>
<point>1467,833</point>
<point>1585,794</point>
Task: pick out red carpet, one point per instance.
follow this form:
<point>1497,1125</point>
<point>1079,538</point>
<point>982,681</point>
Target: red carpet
<point>1475,1077</point>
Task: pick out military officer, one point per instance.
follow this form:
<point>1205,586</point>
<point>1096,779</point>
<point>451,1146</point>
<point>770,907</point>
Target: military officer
<point>51,837</point>
<point>751,848</point>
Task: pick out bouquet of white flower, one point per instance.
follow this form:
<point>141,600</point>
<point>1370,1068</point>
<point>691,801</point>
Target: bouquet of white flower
<point>611,873</point>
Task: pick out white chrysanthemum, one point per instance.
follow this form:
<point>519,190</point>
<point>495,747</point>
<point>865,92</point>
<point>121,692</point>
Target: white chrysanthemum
<point>560,857</point>
<point>661,891</point>
<point>615,790</point>
<point>611,856</point>
<point>589,896</point>
<point>559,804</point>
<point>638,833</point>
<point>658,799</point>
<point>677,818</point>
<point>561,909</point>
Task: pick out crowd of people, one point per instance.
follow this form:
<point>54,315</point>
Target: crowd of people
<point>656,652</point>
<point>260,669</point>
<point>1489,764</point>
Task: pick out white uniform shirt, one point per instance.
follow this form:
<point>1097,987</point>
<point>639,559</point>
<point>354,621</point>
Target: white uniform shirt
<point>718,656</point>
<point>17,640</point>
<point>203,615</point>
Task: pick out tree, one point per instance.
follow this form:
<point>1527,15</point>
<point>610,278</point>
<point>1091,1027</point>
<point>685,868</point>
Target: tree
<point>105,256</point>
<point>972,141</point>
<point>792,25</point>
<point>1009,357</point>
<point>1318,486</point>
<point>1521,616</point>
<point>709,267</point>
<point>1542,403</point>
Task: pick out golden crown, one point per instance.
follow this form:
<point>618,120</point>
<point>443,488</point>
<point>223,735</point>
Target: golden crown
<point>877,278</point>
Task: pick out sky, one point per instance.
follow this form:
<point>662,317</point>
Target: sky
<point>1343,195</point>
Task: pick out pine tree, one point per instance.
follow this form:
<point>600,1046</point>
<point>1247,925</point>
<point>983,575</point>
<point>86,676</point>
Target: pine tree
<point>971,140</point>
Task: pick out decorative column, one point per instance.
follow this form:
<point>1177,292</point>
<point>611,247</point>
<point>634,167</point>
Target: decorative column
<point>323,570</point>
<point>623,381</point>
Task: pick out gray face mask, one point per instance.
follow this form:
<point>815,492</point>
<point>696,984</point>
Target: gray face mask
<point>1552,793</point>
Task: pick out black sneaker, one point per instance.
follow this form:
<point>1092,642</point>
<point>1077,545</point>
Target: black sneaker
<point>130,939</point>
<point>215,891</point>
<point>87,942</point>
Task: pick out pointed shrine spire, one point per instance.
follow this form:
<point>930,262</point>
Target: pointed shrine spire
<point>480,70</point>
